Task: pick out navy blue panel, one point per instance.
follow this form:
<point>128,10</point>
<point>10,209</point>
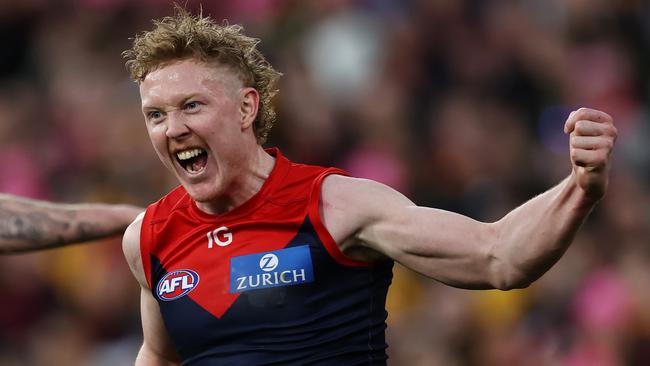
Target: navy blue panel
<point>338,319</point>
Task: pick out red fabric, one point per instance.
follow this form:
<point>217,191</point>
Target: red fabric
<point>319,226</point>
<point>175,231</point>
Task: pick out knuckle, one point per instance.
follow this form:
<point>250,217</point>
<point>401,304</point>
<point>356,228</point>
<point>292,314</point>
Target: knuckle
<point>602,156</point>
<point>577,114</point>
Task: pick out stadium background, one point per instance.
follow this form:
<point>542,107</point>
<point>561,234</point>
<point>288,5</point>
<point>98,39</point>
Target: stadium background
<point>458,104</point>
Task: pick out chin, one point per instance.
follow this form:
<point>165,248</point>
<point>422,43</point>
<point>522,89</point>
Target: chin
<point>203,194</point>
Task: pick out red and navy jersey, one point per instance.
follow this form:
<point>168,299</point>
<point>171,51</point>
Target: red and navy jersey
<point>265,283</point>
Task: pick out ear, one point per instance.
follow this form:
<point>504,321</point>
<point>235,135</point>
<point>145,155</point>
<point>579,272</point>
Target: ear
<point>248,108</point>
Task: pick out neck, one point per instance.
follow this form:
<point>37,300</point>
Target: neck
<point>253,171</point>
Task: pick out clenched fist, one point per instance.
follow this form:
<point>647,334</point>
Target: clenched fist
<point>592,136</point>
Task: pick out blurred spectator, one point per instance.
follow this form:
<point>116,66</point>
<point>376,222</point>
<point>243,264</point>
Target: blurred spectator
<point>457,103</point>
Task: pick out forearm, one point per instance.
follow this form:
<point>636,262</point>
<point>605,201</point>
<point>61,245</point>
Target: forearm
<point>533,237</point>
<point>27,225</point>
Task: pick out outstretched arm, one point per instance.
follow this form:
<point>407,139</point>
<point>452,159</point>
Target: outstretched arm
<point>27,225</point>
<point>365,217</point>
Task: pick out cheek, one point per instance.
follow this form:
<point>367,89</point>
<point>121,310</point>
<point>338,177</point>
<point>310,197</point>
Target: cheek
<point>219,130</point>
<point>155,140</point>
<point>157,133</point>
<point>158,141</point>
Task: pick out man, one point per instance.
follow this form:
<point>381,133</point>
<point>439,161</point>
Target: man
<point>257,260</point>
<point>28,225</point>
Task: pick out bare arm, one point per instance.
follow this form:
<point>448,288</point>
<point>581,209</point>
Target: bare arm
<point>366,217</point>
<point>28,225</point>
<point>157,349</point>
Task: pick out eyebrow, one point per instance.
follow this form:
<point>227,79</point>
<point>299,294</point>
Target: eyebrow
<point>181,101</point>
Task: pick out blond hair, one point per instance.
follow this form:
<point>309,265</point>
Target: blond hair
<point>184,36</point>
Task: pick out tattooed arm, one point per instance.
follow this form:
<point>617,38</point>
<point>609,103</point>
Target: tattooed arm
<point>28,225</point>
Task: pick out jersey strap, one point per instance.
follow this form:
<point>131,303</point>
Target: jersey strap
<point>316,220</point>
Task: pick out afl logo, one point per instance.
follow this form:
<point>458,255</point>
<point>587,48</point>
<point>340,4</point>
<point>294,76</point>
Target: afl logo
<point>177,284</point>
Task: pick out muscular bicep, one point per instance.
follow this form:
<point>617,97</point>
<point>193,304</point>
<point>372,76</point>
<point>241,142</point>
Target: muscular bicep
<point>448,247</point>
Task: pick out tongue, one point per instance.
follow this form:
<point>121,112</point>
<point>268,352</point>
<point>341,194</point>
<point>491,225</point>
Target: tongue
<point>197,163</point>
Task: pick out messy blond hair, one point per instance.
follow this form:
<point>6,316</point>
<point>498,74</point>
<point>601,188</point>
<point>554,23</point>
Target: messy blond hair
<point>184,36</point>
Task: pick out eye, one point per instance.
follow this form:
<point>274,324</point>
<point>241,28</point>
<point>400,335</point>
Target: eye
<point>154,115</point>
<point>191,106</point>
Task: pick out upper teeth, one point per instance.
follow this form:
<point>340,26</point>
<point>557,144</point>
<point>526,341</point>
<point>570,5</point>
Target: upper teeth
<point>188,154</point>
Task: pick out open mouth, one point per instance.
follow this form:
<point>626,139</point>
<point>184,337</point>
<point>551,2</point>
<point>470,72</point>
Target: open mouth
<point>192,160</point>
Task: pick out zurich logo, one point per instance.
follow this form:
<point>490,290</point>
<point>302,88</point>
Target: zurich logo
<point>269,262</point>
<point>177,284</point>
<point>282,267</point>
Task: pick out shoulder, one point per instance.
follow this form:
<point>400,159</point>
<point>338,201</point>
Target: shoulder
<point>131,248</point>
<point>359,195</point>
<point>176,199</point>
<point>350,205</point>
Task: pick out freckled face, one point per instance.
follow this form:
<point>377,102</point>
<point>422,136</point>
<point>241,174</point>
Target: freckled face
<point>192,114</point>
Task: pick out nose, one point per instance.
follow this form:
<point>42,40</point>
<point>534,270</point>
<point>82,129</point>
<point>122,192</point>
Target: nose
<point>176,125</point>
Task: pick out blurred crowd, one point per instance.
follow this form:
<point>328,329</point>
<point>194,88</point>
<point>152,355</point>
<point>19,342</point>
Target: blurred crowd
<point>459,104</point>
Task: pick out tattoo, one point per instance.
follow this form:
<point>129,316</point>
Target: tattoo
<point>27,225</point>
<point>20,225</point>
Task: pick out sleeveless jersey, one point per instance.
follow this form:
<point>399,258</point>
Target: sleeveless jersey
<point>265,283</point>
